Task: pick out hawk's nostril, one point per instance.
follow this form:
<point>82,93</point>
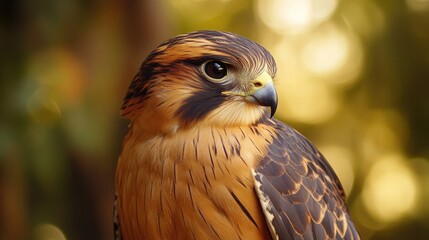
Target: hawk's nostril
<point>257,84</point>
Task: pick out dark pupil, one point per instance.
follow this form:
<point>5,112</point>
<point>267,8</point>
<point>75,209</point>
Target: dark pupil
<point>216,70</point>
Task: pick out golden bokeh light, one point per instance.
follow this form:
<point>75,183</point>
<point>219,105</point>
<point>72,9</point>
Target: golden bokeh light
<point>311,68</point>
<point>48,232</point>
<point>341,161</point>
<point>333,55</point>
<point>390,190</point>
<point>306,101</point>
<point>301,98</point>
<point>325,52</point>
<point>286,52</point>
<point>291,16</point>
<point>384,133</point>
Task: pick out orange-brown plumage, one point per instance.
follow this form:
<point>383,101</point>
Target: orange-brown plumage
<point>203,159</point>
<point>193,176</point>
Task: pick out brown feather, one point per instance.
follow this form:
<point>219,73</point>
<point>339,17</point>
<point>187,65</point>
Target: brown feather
<point>306,198</point>
<point>205,189</point>
<point>199,164</point>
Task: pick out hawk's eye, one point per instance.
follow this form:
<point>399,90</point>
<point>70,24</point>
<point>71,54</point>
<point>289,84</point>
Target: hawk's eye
<point>215,70</point>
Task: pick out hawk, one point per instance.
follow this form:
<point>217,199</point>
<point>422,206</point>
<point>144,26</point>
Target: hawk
<point>205,159</point>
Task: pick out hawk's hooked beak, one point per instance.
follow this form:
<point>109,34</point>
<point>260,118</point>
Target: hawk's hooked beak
<point>263,92</point>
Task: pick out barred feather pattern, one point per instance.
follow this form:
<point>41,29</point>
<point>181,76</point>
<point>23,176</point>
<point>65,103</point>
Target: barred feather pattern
<point>299,192</point>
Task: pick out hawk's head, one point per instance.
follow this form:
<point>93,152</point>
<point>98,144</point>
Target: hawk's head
<point>204,77</point>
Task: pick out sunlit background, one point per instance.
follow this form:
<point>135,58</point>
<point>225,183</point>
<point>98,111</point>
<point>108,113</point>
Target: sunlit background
<point>353,77</point>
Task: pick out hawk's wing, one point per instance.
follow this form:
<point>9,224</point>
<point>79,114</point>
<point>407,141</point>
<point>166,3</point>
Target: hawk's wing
<point>300,194</point>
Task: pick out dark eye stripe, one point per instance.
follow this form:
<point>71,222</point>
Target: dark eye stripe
<point>202,102</point>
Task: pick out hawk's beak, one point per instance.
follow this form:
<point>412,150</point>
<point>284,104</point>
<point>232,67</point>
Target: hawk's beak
<point>263,92</point>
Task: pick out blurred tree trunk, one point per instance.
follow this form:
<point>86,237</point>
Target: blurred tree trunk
<point>143,25</point>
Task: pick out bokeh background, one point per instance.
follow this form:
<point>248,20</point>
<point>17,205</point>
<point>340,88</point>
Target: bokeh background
<point>353,77</point>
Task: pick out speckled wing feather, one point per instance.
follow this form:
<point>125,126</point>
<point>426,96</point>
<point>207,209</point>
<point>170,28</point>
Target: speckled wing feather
<point>299,192</point>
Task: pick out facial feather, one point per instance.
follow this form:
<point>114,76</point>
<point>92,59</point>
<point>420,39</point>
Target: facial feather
<point>170,84</point>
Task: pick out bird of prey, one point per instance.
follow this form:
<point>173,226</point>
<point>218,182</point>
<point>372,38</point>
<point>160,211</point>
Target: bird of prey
<point>205,159</point>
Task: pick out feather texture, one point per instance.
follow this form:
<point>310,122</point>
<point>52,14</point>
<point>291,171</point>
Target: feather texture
<point>300,194</point>
<point>203,160</point>
<point>192,184</point>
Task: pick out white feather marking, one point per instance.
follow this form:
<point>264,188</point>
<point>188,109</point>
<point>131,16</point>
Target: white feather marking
<point>266,204</point>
